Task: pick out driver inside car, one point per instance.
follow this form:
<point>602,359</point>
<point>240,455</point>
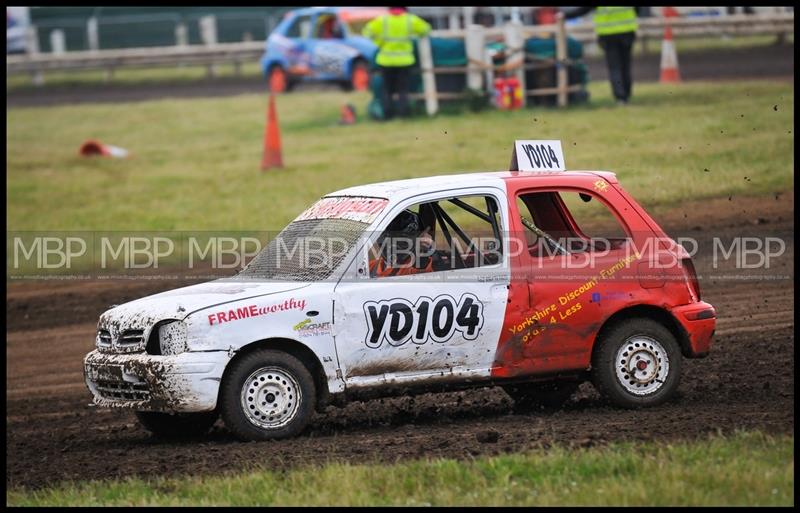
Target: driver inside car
<point>404,248</point>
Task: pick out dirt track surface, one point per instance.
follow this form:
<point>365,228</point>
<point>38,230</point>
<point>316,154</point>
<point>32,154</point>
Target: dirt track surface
<point>747,382</point>
<point>760,62</point>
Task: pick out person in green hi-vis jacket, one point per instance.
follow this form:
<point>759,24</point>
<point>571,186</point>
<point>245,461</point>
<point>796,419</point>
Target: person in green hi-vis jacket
<point>393,33</point>
<point>616,31</point>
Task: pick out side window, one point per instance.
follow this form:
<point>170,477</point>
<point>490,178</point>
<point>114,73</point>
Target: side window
<point>443,235</point>
<point>327,27</point>
<point>300,28</point>
<point>569,221</point>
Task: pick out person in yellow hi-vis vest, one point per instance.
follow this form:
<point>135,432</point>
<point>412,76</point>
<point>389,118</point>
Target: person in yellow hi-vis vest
<point>616,31</point>
<point>393,34</point>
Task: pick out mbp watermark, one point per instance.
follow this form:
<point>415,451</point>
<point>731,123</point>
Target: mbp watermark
<point>316,255</point>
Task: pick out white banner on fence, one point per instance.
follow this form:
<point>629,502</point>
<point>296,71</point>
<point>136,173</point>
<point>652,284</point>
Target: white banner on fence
<point>537,156</point>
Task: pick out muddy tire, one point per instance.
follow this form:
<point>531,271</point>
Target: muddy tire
<point>540,396</point>
<point>267,394</point>
<point>177,425</point>
<point>359,77</point>
<point>278,80</point>
<point>637,363</point>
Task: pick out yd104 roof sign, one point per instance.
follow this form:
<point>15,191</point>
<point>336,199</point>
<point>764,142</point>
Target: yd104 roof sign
<point>537,156</point>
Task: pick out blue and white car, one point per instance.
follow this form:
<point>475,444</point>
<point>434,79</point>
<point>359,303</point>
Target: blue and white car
<point>320,44</point>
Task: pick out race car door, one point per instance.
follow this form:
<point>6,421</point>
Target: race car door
<point>329,54</point>
<point>295,45</point>
<point>579,269</point>
<point>433,312</point>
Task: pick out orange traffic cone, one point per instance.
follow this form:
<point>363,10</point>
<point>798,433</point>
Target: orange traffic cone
<point>669,57</point>
<point>348,115</point>
<point>272,139</point>
<point>92,147</point>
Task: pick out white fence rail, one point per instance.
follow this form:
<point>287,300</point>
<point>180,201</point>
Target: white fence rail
<point>212,54</point>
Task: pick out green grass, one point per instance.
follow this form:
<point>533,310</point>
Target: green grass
<point>743,469</point>
<point>195,163</point>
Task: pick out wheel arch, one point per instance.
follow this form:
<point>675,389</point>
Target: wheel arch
<point>297,349</point>
<point>355,59</point>
<point>268,63</point>
<point>656,313</point>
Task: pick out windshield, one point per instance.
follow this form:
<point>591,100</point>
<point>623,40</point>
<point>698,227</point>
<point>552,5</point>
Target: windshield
<point>313,246</point>
<point>356,26</point>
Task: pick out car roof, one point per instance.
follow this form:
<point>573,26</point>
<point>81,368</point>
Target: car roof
<point>443,182</point>
<point>350,12</point>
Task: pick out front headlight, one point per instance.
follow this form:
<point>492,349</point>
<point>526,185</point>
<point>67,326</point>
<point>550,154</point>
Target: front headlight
<point>172,338</point>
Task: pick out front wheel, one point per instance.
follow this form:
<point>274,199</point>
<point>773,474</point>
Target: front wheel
<point>637,363</point>
<point>177,425</point>
<point>267,394</point>
<point>359,77</point>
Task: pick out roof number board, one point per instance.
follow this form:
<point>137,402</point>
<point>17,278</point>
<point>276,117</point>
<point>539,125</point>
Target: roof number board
<point>537,156</point>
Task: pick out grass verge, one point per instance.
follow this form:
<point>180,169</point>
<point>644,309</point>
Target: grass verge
<point>195,163</point>
<point>747,468</point>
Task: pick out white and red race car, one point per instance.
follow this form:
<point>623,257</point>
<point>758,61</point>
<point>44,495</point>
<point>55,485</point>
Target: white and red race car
<point>533,281</point>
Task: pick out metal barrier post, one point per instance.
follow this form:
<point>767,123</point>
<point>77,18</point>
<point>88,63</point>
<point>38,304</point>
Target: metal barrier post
<point>181,34</point>
<point>561,61</point>
<point>475,46</point>
<point>515,48</point>
<point>92,35</point>
<point>208,30</point>
<point>428,78</point>
<point>208,33</point>
<point>58,44</point>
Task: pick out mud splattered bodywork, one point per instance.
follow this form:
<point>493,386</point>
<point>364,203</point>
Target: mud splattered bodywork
<point>502,321</point>
<point>186,382</point>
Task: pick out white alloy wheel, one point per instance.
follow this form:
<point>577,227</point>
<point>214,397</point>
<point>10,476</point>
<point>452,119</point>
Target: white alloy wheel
<point>270,398</point>
<point>642,365</point>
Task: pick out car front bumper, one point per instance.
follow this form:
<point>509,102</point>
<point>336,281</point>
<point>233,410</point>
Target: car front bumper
<point>188,382</point>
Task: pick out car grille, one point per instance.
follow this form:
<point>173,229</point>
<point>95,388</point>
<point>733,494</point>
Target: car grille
<point>123,390</point>
<point>104,339</point>
<point>131,338</point>
<point>129,341</point>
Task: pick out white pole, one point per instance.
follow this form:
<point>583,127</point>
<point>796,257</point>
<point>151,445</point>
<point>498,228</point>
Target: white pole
<point>561,61</point>
<point>475,45</point>
<point>469,16</point>
<point>31,40</point>
<point>181,34</point>
<point>92,34</point>
<point>428,78</point>
<point>454,22</point>
<point>58,43</point>
<point>208,30</point>
<point>515,46</point>
<point>208,33</point>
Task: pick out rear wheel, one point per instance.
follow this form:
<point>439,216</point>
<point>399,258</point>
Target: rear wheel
<point>267,394</point>
<point>277,79</point>
<point>177,425</point>
<point>541,396</point>
<point>637,363</point>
